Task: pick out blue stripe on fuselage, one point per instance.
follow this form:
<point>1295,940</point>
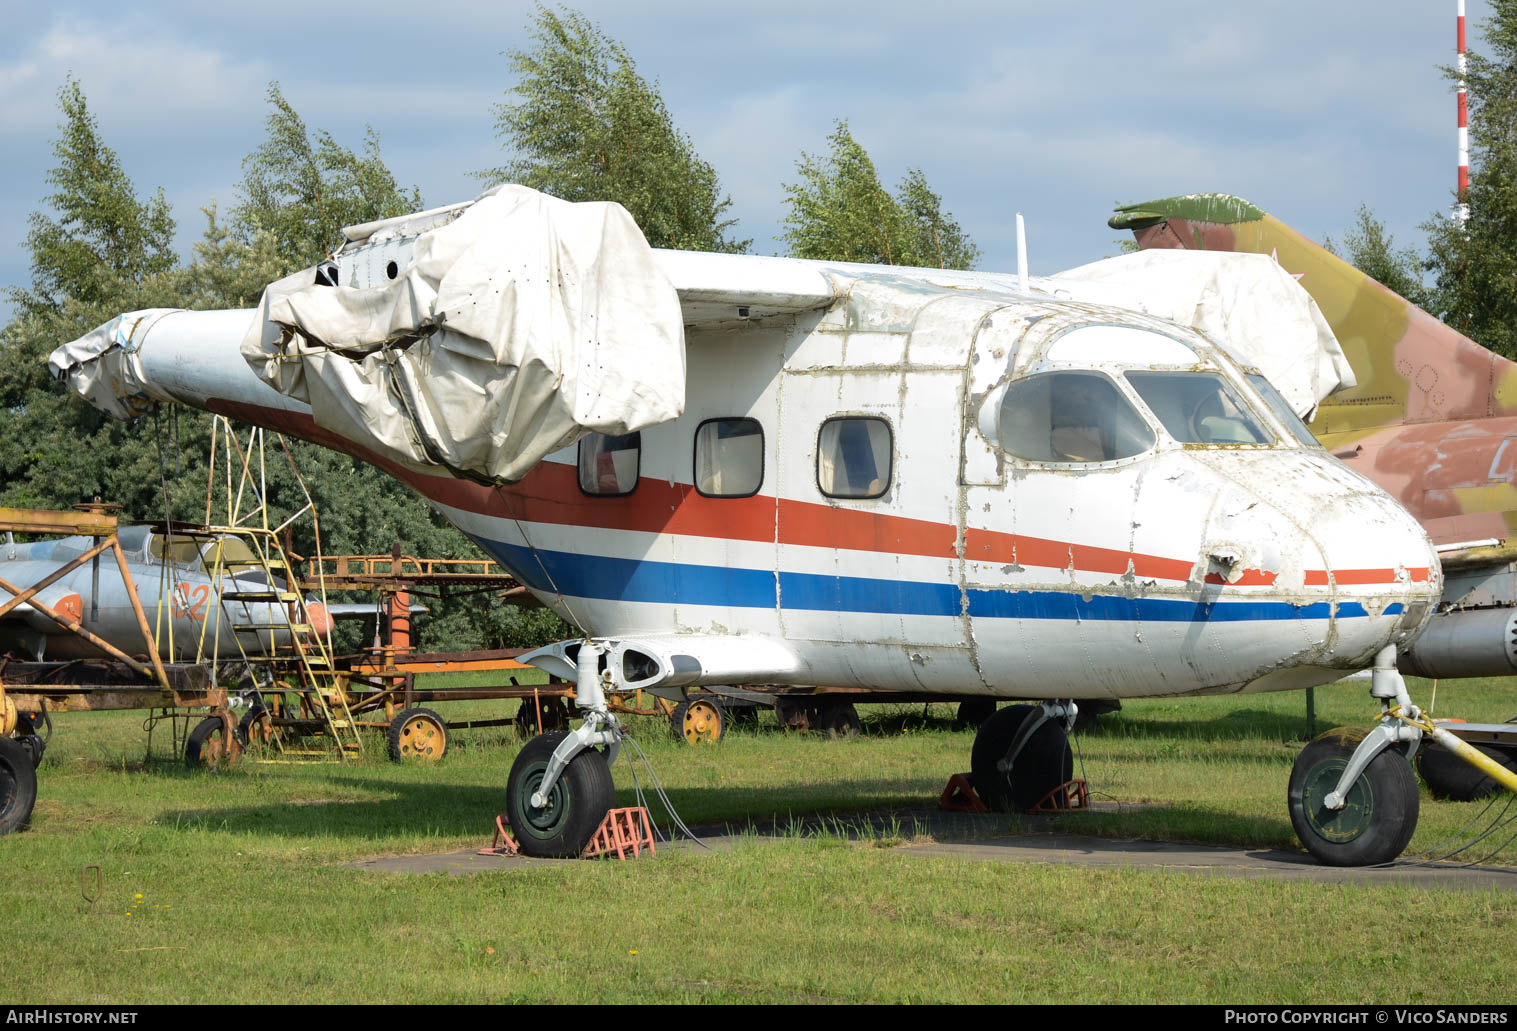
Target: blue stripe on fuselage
<point>681,583</point>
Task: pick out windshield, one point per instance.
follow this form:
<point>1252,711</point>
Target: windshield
<point>1282,410</point>
<point>1198,408</point>
<point>1070,417</point>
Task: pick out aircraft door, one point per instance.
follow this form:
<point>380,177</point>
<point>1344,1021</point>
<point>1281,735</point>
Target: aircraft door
<point>866,534</point>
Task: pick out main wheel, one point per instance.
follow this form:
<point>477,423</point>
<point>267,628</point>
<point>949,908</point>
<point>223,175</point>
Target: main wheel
<point>698,721</point>
<point>973,712</point>
<point>839,719</point>
<point>18,786</point>
<point>207,744</point>
<point>418,734</point>
<point>1044,764</point>
<point>1379,815</point>
<point>1449,776</point>
<point>576,805</point>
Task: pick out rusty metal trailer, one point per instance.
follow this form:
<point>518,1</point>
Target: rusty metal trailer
<point>30,692</point>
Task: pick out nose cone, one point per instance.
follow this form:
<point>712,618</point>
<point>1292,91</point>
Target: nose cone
<point>321,619</point>
<point>1360,570</point>
<point>70,606</point>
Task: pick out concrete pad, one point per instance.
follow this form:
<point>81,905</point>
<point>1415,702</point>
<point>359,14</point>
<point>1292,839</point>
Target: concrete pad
<point>990,837</point>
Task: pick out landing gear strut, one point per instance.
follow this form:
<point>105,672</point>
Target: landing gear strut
<point>1353,795</point>
<point>1022,753</point>
<point>559,789</point>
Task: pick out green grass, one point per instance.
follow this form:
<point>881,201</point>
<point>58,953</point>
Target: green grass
<point>245,886</point>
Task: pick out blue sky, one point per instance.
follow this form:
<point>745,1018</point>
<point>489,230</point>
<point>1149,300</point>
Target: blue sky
<point>1055,110</point>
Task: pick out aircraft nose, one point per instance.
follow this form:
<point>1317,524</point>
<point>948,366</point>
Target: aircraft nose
<point>1330,542</point>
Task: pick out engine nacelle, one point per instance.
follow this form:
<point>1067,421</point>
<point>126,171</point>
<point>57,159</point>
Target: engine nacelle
<point>1467,643</point>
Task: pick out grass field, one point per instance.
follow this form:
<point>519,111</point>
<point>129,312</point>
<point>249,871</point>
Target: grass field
<point>233,886</point>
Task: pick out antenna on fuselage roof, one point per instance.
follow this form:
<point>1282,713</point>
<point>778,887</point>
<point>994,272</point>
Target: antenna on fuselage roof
<point>1021,253</point>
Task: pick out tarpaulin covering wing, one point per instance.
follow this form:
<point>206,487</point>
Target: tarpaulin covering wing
<point>520,324</point>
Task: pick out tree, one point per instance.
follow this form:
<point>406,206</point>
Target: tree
<point>1371,250</point>
<point>934,238</point>
<point>101,252</point>
<point>303,188</point>
<point>840,212</point>
<point>585,126</point>
<point>100,236</point>
<point>1474,265</point>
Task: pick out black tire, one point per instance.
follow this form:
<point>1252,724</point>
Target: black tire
<point>577,805</point>
<point>1381,811</point>
<point>973,712</point>
<point>792,715</point>
<point>1046,761</point>
<point>698,721</point>
<point>18,785</point>
<point>418,734</point>
<point>1450,777</point>
<point>207,744</point>
<point>35,747</point>
<point>256,727</point>
<point>840,719</point>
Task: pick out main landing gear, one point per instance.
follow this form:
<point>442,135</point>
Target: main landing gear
<point>559,789</point>
<point>1021,755</point>
<point>1353,795</point>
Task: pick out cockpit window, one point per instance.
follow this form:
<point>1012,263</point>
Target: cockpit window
<point>1282,410</point>
<point>1198,408</point>
<point>1070,417</point>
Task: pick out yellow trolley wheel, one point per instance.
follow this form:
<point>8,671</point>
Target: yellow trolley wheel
<point>699,721</point>
<point>418,734</point>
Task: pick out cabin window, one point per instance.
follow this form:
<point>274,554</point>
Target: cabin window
<point>1282,409</point>
<point>1198,408</point>
<point>853,457</point>
<point>1070,417</point>
<point>608,466</point>
<point>729,458</point>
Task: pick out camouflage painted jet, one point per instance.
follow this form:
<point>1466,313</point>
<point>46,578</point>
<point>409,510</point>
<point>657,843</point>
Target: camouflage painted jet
<point>1433,421</point>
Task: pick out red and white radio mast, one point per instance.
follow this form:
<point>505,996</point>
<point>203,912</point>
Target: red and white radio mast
<point>1461,208</point>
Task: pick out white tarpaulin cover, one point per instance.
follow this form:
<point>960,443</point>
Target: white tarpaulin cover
<point>520,325</point>
<point>118,386</point>
<point>1246,303</point>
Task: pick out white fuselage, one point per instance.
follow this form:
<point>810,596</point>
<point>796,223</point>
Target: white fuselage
<point>1180,569</point>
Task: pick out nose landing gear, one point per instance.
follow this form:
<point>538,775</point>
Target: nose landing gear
<point>1353,796</point>
<point>559,789</point>
<point>1021,754</point>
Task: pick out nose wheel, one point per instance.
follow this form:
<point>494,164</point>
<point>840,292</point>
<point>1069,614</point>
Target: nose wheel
<point>1378,813</point>
<point>1020,755</point>
<point>574,805</point>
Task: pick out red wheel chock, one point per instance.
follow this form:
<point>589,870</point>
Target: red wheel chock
<point>959,796</point>
<point>504,844</point>
<point>623,833</point>
<point>1067,797</point>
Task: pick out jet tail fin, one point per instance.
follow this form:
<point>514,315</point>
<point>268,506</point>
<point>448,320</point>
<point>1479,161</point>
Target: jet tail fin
<point>1410,367</point>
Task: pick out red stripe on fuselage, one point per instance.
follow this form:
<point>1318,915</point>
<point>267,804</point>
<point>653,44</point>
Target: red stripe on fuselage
<point>550,494</point>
